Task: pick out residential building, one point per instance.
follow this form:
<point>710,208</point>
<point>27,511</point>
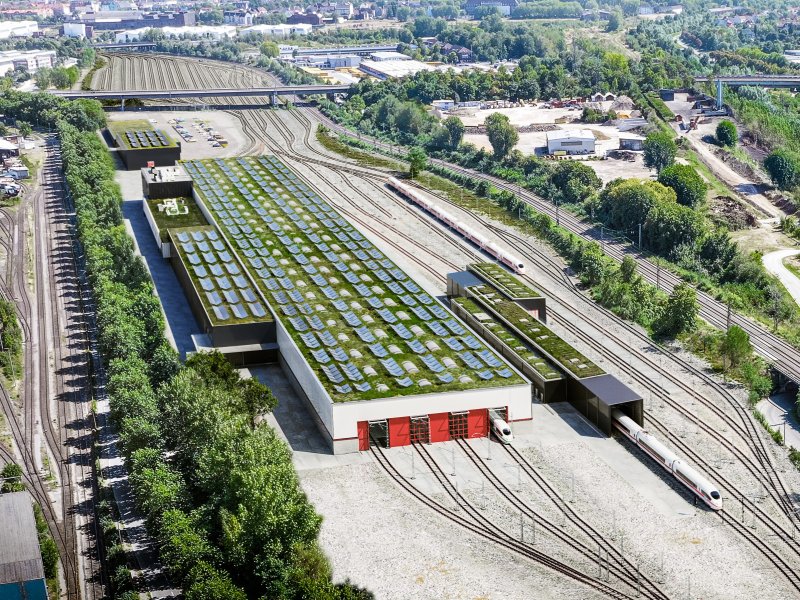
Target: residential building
<point>76,30</point>
<point>238,17</point>
<point>21,568</point>
<point>30,60</point>
<point>344,10</point>
<point>313,18</point>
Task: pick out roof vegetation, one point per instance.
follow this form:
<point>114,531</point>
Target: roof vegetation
<point>535,332</point>
<point>364,327</point>
<point>504,281</point>
<point>219,280</point>
<point>507,335</point>
<point>175,213</point>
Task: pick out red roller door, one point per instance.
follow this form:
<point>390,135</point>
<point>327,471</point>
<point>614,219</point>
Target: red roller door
<point>363,435</point>
<point>399,431</point>
<point>440,427</point>
<point>478,423</point>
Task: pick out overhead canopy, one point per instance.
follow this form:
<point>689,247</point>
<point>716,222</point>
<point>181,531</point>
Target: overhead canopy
<point>610,390</point>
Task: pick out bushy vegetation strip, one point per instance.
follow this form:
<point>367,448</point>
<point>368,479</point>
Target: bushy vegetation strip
<point>215,483</point>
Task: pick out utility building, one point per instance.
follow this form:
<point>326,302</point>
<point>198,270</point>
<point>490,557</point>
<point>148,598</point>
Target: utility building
<point>21,568</point>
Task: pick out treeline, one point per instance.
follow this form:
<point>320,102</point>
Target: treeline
<point>216,485</point>
<point>47,110</point>
<point>547,9</point>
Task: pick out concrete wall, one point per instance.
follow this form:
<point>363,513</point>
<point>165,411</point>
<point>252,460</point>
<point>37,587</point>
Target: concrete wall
<point>166,247</point>
<point>138,158</point>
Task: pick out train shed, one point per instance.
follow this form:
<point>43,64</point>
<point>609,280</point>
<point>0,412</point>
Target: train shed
<point>375,357</point>
<point>558,371</point>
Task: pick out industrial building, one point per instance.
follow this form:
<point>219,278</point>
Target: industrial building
<point>139,148</point>
<point>374,357</point>
<point>509,315</point>
<point>214,32</point>
<point>21,568</point>
<point>504,7</point>
<point>280,30</point>
<point>392,69</point>
<point>17,29</point>
<point>570,141</point>
<point>134,19</point>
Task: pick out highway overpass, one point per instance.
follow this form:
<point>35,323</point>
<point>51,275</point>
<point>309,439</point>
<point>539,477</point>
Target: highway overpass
<point>271,92</point>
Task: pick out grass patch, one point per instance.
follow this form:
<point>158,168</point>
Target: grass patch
<point>121,126</point>
<point>714,184</point>
<point>193,218</point>
<point>368,160</point>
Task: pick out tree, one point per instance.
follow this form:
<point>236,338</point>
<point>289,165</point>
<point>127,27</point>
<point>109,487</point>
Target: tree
<point>690,189</point>
<point>680,312</point>
<point>25,129</point>
<point>615,20</point>
<point>502,135</point>
<point>735,345</point>
<point>659,150</point>
<point>727,134</point>
<point>575,180</point>
<point>270,49</point>
<point>627,269</point>
<point>779,307</point>
<point>42,78</point>
<point>783,167</point>
<point>12,479</point>
<point>417,161</point>
<point>455,131</point>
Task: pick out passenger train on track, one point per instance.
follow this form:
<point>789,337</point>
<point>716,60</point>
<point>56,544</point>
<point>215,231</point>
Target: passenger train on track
<point>700,486</point>
<point>410,194</point>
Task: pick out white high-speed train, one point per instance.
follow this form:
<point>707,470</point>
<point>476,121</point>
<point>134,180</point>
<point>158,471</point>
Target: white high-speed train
<point>688,476</point>
<point>410,194</point>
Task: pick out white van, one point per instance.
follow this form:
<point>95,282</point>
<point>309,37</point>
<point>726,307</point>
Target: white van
<point>503,432</point>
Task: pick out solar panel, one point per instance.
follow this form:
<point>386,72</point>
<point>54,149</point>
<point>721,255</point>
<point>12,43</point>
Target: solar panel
<point>445,377</point>
<point>194,259</point>
<point>485,374</point>
<point>416,346</point>
<point>221,313</point>
<point>202,247</point>
<point>298,323</point>
<point>411,286</point>
<point>333,373</point>
<point>327,338</point>
<point>402,331</point>
<point>188,247</point>
<point>363,387</point>
<point>394,369</point>
<point>209,257</point>
<point>241,281</point>
<point>239,311</point>
<point>231,296</point>
<point>198,236</point>
<point>421,313</point>
<point>437,328</point>
<point>453,326</point>
<point>438,311</point>
<point>408,300</point>
<point>217,270</point>
<point>214,297</point>
<point>280,297</point>
<point>387,315</point>
<point>200,271</point>
<point>363,290</point>
<point>352,319</point>
<point>352,372</point>
<point>490,359</point>
<point>378,350</point>
<point>257,309</point>
<point>340,305</point>
<point>321,356</point>
<point>249,295</point>
<point>431,362</point>
<point>310,340</point>
<point>365,334</point>
<point>296,296</point>
<point>504,373</point>
<point>395,288</point>
<point>223,283</point>
<point>339,355</point>
<point>206,284</point>
<point>315,322</point>
<point>405,382</point>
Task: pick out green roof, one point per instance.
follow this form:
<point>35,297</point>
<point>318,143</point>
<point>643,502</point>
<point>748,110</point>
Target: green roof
<point>364,327</point>
<point>185,213</point>
<point>225,292</point>
<point>504,281</point>
<point>139,134</point>
<point>507,335</point>
<point>535,332</point>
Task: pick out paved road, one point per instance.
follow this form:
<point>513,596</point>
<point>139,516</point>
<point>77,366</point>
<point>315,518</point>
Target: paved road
<point>773,262</point>
<point>779,409</point>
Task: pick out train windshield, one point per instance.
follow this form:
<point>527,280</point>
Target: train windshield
<point>715,495</point>
<point>520,265</point>
<point>506,431</point>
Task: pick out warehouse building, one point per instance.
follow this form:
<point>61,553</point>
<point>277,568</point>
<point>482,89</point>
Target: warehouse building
<point>21,568</point>
<point>30,60</point>
<point>16,29</point>
<point>570,141</point>
<point>374,357</point>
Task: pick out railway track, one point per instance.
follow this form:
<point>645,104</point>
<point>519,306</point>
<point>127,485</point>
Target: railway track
<point>470,518</point>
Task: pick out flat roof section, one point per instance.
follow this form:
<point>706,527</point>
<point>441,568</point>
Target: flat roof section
<point>610,390</point>
<point>520,347</point>
<point>363,326</point>
<point>506,283</point>
<point>536,332</point>
<point>20,558</point>
<point>175,213</point>
<point>225,291</point>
